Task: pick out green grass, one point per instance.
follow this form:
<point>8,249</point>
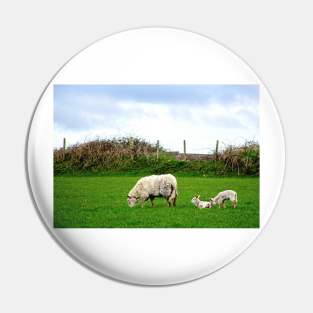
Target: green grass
<point>97,202</point>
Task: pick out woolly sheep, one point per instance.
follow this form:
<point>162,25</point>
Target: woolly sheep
<point>201,204</point>
<point>153,186</point>
<point>223,196</point>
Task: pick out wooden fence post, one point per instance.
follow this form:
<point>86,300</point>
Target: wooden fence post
<point>185,157</point>
<point>64,147</point>
<point>132,150</point>
<point>216,149</point>
<point>158,149</point>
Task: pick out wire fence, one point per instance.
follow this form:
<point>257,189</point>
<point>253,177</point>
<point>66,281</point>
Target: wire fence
<point>196,153</point>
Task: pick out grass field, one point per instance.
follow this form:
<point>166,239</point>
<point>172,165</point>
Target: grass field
<point>97,202</point>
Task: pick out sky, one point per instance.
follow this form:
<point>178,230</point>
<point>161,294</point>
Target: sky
<point>200,114</point>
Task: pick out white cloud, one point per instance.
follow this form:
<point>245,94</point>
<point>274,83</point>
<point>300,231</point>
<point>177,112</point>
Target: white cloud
<point>201,125</point>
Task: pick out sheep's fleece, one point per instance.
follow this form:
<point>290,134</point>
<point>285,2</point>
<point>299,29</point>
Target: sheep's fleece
<point>155,185</point>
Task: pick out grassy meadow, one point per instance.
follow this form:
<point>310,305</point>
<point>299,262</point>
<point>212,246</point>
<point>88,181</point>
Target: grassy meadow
<point>100,202</point>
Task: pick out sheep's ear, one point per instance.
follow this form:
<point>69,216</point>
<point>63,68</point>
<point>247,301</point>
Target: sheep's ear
<point>198,196</point>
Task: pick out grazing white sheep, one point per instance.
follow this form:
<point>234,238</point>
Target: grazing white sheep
<point>201,204</point>
<point>221,198</point>
<point>153,186</point>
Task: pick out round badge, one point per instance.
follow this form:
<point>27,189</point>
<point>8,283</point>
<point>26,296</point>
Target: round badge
<point>155,156</point>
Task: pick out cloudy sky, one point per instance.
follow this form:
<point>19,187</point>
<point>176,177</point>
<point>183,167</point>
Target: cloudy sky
<point>200,114</point>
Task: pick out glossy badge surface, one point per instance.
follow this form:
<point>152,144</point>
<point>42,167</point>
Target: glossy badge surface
<point>155,156</point>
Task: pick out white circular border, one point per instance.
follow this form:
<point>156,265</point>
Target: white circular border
<point>154,256</point>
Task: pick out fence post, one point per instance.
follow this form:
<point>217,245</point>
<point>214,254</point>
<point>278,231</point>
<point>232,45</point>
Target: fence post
<point>158,149</point>
<point>64,147</point>
<point>216,149</point>
<point>185,157</point>
<point>132,150</point>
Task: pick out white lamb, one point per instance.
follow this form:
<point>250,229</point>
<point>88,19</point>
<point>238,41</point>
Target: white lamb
<point>221,198</point>
<point>201,204</point>
<point>150,187</point>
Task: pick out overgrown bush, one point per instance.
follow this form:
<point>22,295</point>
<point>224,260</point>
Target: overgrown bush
<point>244,159</point>
<point>135,155</point>
<point>109,154</point>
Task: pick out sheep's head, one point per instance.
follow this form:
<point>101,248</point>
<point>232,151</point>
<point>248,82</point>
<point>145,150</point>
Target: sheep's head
<point>212,201</point>
<point>131,201</point>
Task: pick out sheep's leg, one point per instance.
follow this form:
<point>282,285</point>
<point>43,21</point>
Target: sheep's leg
<point>174,200</point>
<point>224,204</point>
<point>174,197</point>
<point>234,204</point>
<point>168,202</point>
<point>143,203</point>
<point>151,199</point>
<point>144,198</point>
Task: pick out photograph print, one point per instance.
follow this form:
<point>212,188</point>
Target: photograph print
<point>156,156</point>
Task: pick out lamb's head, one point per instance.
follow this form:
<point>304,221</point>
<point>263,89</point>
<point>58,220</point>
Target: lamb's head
<point>195,200</point>
<point>131,201</point>
<point>212,202</point>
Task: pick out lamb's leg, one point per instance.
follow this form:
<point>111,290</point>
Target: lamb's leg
<point>224,204</point>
